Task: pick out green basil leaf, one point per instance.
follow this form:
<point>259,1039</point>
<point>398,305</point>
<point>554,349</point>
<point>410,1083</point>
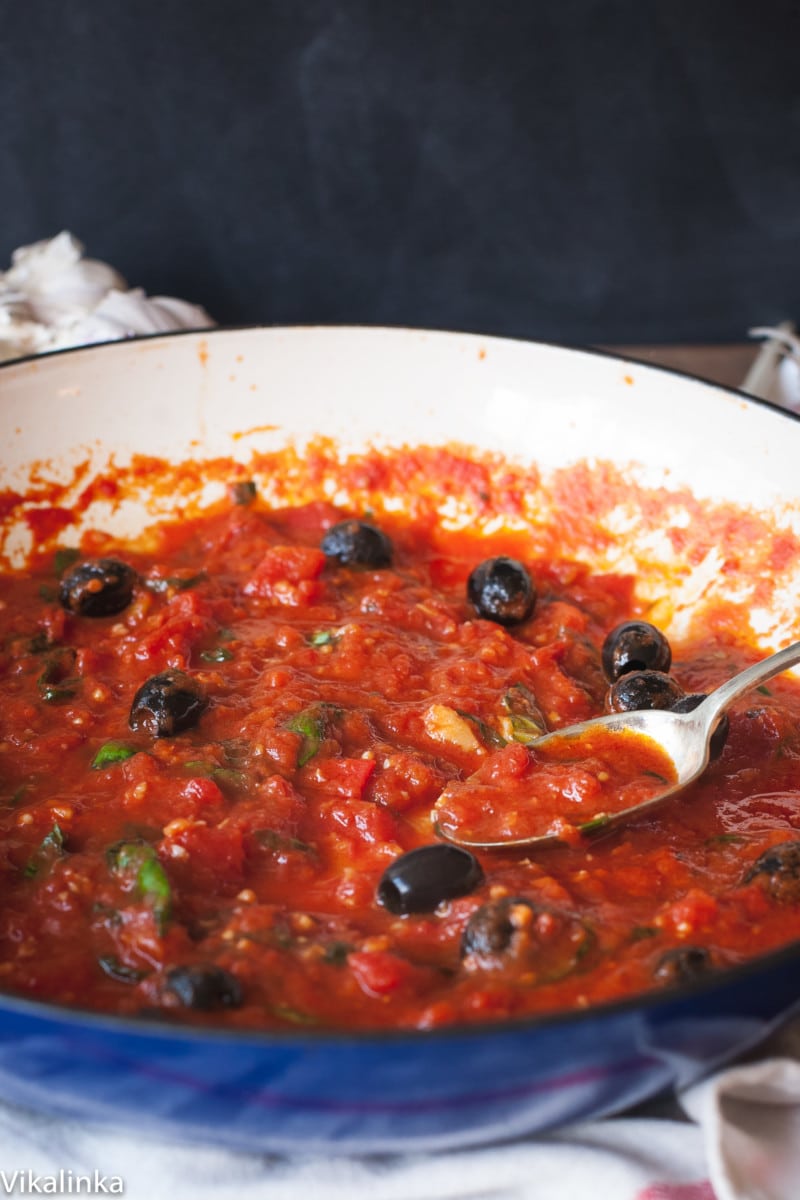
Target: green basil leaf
<point>52,694</point>
<point>140,859</point>
<point>595,824</point>
<point>314,724</point>
<point>525,717</point>
<point>155,887</point>
<point>199,766</point>
<point>52,846</point>
<point>488,736</point>
<point>336,953</point>
<point>54,839</point>
<point>112,752</point>
<point>219,654</point>
<point>119,971</point>
<point>40,643</point>
<point>323,637</point>
<point>163,583</point>
<point>221,775</point>
<point>272,840</point>
<point>18,795</point>
<point>55,683</point>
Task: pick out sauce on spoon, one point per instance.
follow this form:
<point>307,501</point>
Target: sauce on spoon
<point>560,789</point>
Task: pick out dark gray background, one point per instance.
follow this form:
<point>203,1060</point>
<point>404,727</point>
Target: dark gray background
<point>576,170</point>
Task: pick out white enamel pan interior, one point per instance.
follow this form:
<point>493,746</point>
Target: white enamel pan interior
<point>230,392</point>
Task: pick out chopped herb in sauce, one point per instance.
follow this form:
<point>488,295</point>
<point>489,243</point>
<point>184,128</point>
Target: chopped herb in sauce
<point>52,847</point>
<point>112,752</point>
<point>218,654</point>
<point>140,862</point>
<point>314,724</point>
<point>117,970</point>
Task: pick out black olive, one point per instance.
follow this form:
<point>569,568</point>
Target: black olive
<point>510,929</point>
<point>501,589</point>
<point>357,544</point>
<point>643,689</point>
<point>685,964</point>
<point>204,987</point>
<point>167,704</point>
<point>720,735</point>
<point>421,879</point>
<point>635,646</point>
<point>97,588</point>
<point>778,870</point>
<point>493,929</point>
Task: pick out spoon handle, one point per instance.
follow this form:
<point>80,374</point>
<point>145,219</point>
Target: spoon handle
<point>723,696</point>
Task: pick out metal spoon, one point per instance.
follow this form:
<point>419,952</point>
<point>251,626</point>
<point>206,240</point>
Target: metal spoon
<point>684,738</point>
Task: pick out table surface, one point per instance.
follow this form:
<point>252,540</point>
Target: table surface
<point>724,364</point>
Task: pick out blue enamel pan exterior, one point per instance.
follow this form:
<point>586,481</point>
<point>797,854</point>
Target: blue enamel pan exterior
<point>377,1093</point>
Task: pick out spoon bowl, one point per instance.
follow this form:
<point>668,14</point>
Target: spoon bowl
<point>684,738</point>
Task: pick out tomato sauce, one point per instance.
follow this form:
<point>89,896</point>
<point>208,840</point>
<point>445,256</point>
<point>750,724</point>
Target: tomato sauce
<point>561,791</point>
<point>226,871</point>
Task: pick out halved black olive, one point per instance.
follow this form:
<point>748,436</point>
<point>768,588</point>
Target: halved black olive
<point>635,646</point>
<point>501,589</point>
<point>514,929</point>
<point>643,689</point>
<point>495,928</point>
<point>778,870</point>
<point>167,704</point>
<point>204,987</point>
<point>684,964</point>
<point>421,879</point>
<point>97,588</point>
<point>720,735</point>
<point>357,544</point>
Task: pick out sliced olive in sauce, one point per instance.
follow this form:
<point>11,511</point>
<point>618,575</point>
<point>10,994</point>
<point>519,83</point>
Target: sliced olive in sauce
<point>357,544</point>
<point>167,704</point>
<point>778,872</point>
<point>683,965</point>
<point>635,646</point>
<point>643,689</point>
<point>204,987</point>
<point>421,879</point>
<point>515,930</point>
<point>97,588</point>
<point>502,590</point>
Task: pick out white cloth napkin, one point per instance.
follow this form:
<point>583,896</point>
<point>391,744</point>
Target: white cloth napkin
<point>52,297</point>
<point>775,375</point>
<point>750,1117</point>
<point>740,1136</point>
